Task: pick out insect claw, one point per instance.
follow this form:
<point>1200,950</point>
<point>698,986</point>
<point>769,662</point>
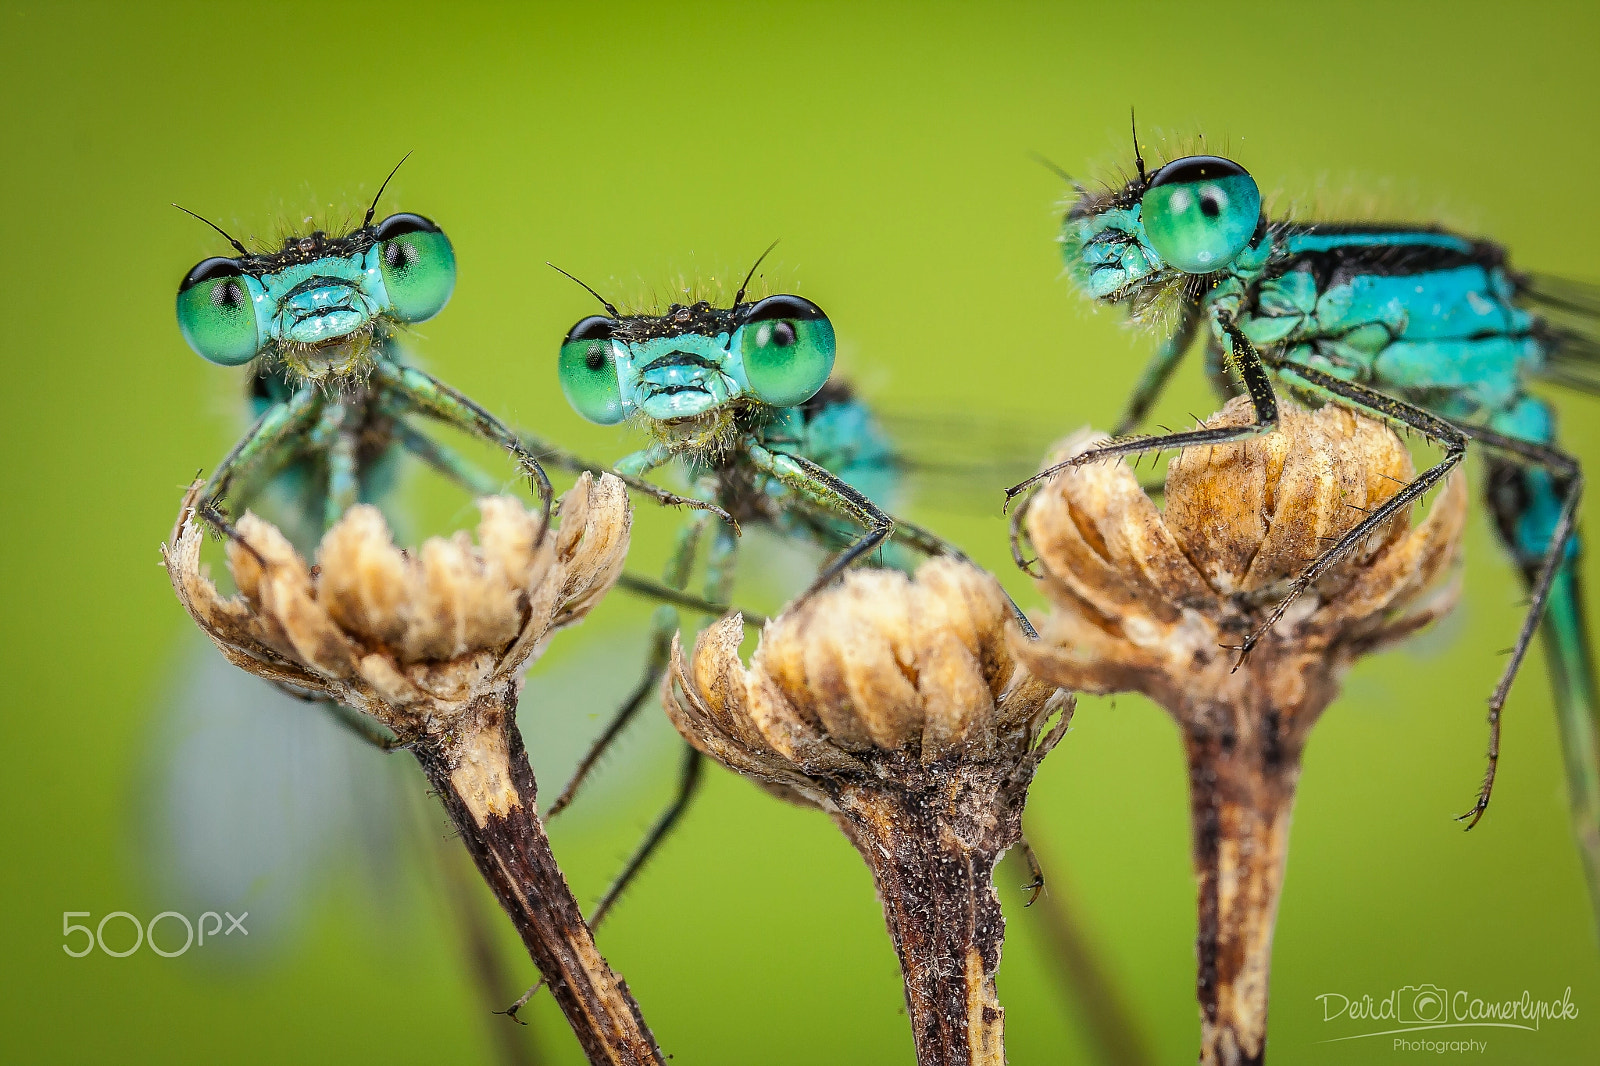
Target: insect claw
<point>1475,815</point>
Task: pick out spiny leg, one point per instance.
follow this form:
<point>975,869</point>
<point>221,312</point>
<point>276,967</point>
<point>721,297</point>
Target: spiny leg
<point>688,783</point>
<point>663,624</point>
<point>930,543</point>
<point>822,489</point>
<point>719,583</point>
<point>721,564</point>
<point>1018,534</point>
<point>632,468</point>
<point>268,445</point>
<point>1246,360</point>
<point>1455,438</point>
<point>655,590</point>
<point>1035,883</point>
<point>434,398</point>
<point>344,479</point>
<point>444,461</point>
<point>1349,394</point>
<point>447,463</point>
<point>1565,468</point>
<point>689,776</point>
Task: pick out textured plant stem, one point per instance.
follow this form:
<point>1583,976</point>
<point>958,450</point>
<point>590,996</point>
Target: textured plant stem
<point>1243,741</point>
<point>932,851</point>
<point>484,779</point>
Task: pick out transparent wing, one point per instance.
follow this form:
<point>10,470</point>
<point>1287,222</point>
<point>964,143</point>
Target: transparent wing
<point>256,801</point>
<point>963,462</point>
<point>1570,311</point>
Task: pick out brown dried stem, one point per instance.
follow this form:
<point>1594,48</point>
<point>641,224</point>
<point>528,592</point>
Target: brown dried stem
<point>507,842</point>
<point>432,645</point>
<point>1155,602</point>
<point>895,706</point>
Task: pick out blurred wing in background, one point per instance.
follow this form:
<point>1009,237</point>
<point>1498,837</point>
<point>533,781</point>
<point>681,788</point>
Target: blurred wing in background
<point>257,801</point>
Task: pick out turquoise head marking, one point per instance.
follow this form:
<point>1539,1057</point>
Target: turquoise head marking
<point>1193,216</point>
<point>695,359</point>
<point>319,301</point>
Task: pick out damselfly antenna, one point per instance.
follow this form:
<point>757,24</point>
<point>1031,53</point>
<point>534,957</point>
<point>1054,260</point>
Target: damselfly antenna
<point>1053,168</point>
<point>242,250</point>
<point>1137,158</point>
<point>365,222</point>
<point>739,299</point>
<point>610,309</point>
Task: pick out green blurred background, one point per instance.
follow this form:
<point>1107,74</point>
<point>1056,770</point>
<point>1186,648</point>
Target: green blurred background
<point>889,148</point>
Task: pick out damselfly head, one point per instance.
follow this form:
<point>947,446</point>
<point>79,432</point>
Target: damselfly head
<point>682,365</point>
<point>1192,216</point>
<point>318,302</point>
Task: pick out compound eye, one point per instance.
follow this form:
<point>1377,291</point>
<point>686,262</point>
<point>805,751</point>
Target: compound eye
<point>588,370</point>
<point>215,314</point>
<point>1200,212</point>
<point>788,348</point>
<point>418,266</point>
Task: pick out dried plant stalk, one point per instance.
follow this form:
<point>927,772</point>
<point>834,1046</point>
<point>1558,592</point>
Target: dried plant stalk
<point>895,705</point>
<point>432,645</point>
<point>1154,602</point>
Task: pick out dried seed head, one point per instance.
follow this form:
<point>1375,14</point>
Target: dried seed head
<point>1157,603</point>
<point>896,705</point>
<point>1152,601</point>
<point>881,670</point>
<point>412,639</point>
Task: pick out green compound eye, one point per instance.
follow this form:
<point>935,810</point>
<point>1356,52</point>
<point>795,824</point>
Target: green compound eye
<point>215,314</point>
<point>588,370</point>
<point>788,350</point>
<point>418,264</point>
<point>1199,212</point>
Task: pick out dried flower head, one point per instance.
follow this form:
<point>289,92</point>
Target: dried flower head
<point>415,640</point>
<point>1158,602</point>
<point>897,705</point>
<point>432,644</point>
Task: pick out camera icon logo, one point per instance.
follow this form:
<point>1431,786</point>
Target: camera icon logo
<point>1422,1005</point>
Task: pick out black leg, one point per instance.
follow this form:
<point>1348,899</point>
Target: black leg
<point>429,396</point>
<point>655,666</point>
<point>930,543</point>
<point>689,775</point>
<point>1436,429</point>
<point>688,782</point>
<point>1454,438</point>
<point>1246,360</point>
<point>1567,472</point>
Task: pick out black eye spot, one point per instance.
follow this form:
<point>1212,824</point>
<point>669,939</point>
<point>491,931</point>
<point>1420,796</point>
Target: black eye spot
<point>229,294</point>
<point>1209,206</point>
<point>782,334</point>
<point>596,357</point>
<point>399,255</point>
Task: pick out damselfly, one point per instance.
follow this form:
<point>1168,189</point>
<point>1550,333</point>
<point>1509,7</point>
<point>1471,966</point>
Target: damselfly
<point>1414,324</point>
